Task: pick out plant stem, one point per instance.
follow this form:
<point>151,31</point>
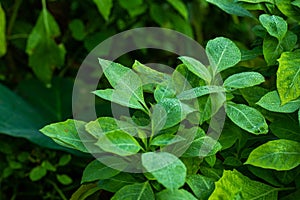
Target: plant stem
<point>56,188</point>
<point>13,17</point>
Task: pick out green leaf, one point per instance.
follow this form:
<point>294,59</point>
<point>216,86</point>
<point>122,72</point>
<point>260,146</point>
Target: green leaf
<point>299,117</point>
<point>201,186</point>
<point>288,9</point>
<point>166,168</point>
<point>96,170</point>
<point>230,134</point>
<point>279,154</point>
<point>42,47</point>
<point>265,174</point>
<point>222,53</point>
<point>202,147</point>
<point>231,7</point>
<point>196,67</point>
<point>165,139</point>
<point>200,91</point>
<point>123,79</point>
<point>118,142</point>
<point>232,161</point>
<point>37,173</point>
<point>175,195</point>
<point>64,160</point>
<point>180,7</point>
<point>48,166</point>
<point>70,133</point>
<point>243,80</point>
<point>77,29</point>
<point>133,7</point>
<point>104,7</point>
<point>64,179</point>
<point>275,25</point>
<point>288,76</point>
<point>247,118</point>
<point>164,91</point>
<point>2,32</point>
<point>271,102</point>
<point>137,191</point>
<point>257,1</point>
<point>234,185</point>
<point>115,183</point>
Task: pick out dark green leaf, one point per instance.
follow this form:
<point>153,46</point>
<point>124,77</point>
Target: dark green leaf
<point>77,28</point>
<point>175,195</point>
<point>104,7</point>
<point>137,191</point>
<point>200,185</point>
<point>115,183</point>
<point>243,80</point>
<point>37,173</point>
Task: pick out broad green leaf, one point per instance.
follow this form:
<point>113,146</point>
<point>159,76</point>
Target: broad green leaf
<point>166,139</point>
<point>202,147</point>
<point>96,170</point>
<point>271,102</point>
<point>196,67</point>
<point>279,154</point>
<point>222,53</point>
<point>247,118</point>
<point>118,142</point>
<point>164,91</point>
<point>200,91</point>
<point>201,186</point>
<point>70,133</point>
<point>232,161</point>
<point>137,191</point>
<point>230,134</point>
<point>175,195</point>
<point>37,173</point>
<point>42,47</point>
<point>296,3</point>
<point>124,79</point>
<point>64,179</point>
<point>286,129</point>
<point>253,94</point>
<point>166,168</point>
<point>265,174</point>
<point>243,80</point>
<point>234,185</point>
<point>104,7</point>
<point>113,184</point>
<point>275,25</point>
<point>288,9</point>
<point>292,196</point>
<point>180,7</point>
<point>2,32</point>
<point>257,1</point>
<point>77,29</point>
<point>288,76</point>
<point>212,173</point>
<point>231,7</point>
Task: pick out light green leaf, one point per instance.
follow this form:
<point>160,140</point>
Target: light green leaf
<point>258,1</point>
<point>222,53</point>
<point>123,79</point>
<point>288,76</point>
<point>115,183</point>
<point>231,7</point>
<point>133,7</point>
<point>48,166</point>
<point>279,154</point>
<point>200,91</point>
<point>247,118</point>
<point>296,3</point>
<point>166,139</point>
<point>299,117</point>
<point>118,142</point>
<point>166,168</point>
<point>180,7</point>
<point>137,191</point>
<point>2,32</point>
<point>66,134</point>
<point>234,185</point>
<point>42,47</point>
<point>286,128</point>
<point>64,179</point>
<point>275,25</point>
<point>164,91</point>
<point>104,7</point>
<point>287,8</point>
<point>37,173</point>
<point>243,80</point>
<point>64,160</point>
<point>175,195</point>
<point>96,170</point>
<point>271,102</point>
<point>196,67</point>
<point>202,147</point>
<point>201,186</point>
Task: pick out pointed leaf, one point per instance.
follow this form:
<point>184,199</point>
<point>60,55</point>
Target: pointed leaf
<point>201,186</point>
<point>2,32</point>
<point>202,147</point>
<point>166,168</point>
<point>200,91</point>
<point>137,191</point>
<point>175,195</point>
<point>222,53</point>
<point>286,129</point>
<point>180,7</point>
<point>166,139</point>
<point>275,25</point>
<point>288,76</point>
<point>247,118</point>
<point>243,80</point>
<point>104,7</point>
<point>279,154</point>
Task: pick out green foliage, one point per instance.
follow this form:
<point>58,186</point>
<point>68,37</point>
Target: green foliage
<point>2,32</point>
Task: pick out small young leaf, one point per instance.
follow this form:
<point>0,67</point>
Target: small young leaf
<point>104,7</point>
<point>222,53</point>
<point>64,160</point>
<point>118,142</point>
<point>275,25</point>
<point>288,76</point>
<point>247,118</point>
<point>37,173</point>
<point>201,186</point>
<point>271,102</point>
<point>243,80</point>
<point>180,7</point>
<point>175,195</point>
<point>200,91</point>
<point>2,32</point>
<point>48,166</point>
<point>234,185</point>
<point>77,28</point>
<point>279,154</point>
<point>137,191</point>
<point>196,67</point>
<point>64,179</point>
<point>166,168</point>
<point>96,170</point>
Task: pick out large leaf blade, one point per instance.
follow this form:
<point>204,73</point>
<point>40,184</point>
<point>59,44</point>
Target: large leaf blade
<point>275,25</point>
<point>137,191</point>
<point>243,80</point>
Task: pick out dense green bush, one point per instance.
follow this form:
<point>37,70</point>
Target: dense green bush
<point>252,44</point>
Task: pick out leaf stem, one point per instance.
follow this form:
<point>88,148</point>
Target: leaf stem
<point>56,188</point>
<point>13,17</point>
<point>45,17</point>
